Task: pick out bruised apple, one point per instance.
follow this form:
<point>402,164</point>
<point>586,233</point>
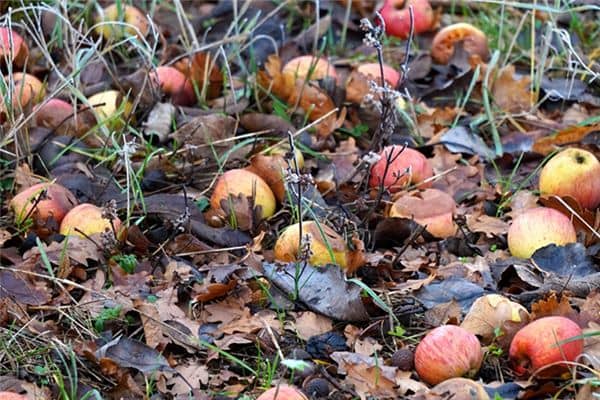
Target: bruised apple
<point>240,182</point>
<point>430,208</point>
<point>13,48</point>
<point>474,42</point>
<point>309,68</point>
<point>326,245</point>
<point>406,166</point>
<point>446,352</point>
<point>282,392</point>
<point>543,342</point>
<point>42,202</point>
<point>272,167</point>
<point>539,227</point>
<point>176,85</point>
<point>87,219</point>
<point>110,22</point>
<point>573,172</point>
<point>396,15</point>
<point>12,396</point>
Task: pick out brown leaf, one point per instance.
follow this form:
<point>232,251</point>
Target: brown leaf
<point>510,94</point>
<point>309,324</point>
<point>205,135</point>
<point>570,135</point>
<point>552,306</point>
<point>150,322</point>
<point>491,226</point>
<point>203,72</point>
<point>19,288</point>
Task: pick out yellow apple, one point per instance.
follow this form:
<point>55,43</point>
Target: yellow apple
<point>573,172</point>
<point>85,220</point>
<point>113,16</point>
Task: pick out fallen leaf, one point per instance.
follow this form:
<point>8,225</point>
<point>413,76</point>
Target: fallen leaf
<point>512,95</point>
<point>309,324</point>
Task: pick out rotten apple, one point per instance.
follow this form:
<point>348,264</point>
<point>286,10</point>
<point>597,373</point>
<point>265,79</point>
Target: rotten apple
<point>396,15</point>
<point>473,40</point>
<point>573,172</point>
<point>86,220</point>
<point>541,346</point>
<point>446,352</point>
<point>398,167</point>
<point>538,227</point>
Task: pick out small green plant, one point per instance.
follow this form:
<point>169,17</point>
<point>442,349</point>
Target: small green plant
<point>108,314</point>
<point>127,262</point>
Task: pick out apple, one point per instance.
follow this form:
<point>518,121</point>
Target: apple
<point>237,182</point>
<point>539,344</point>
<point>326,245</point>
<point>489,313</point>
<point>175,84</point>
<point>309,68</point>
<point>110,22</point>
<point>460,389</point>
<point>272,167</point>
<point>86,220</point>
<point>538,227</point>
<point>396,15</point>
<point>446,352</point>
<point>12,396</point>
<point>373,71</point>
<point>430,208</point>
<point>54,203</point>
<point>573,172</point>
<point>27,90</point>
<point>107,103</point>
<point>473,40</point>
<point>282,392</point>
<point>12,48</point>
<point>396,178</point>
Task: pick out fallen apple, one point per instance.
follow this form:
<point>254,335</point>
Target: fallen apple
<point>373,71</point>
<point>309,68</point>
<point>27,90</point>
<point>460,389</point>
<point>42,203</point>
<point>86,220</point>
<point>396,15</point>
<point>111,107</point>
<point>540,346</point>
<point>489,313</point>
<point>430,208</point>
<point>176,85</point>
<point>326,246</point>
<point>474,42</point>
<point>573,172</point>
<point>446,352</point>
<point>13,48</point>
<point>406,166</point>
<point>12,396</point>
<point>118,21</point>
<point>282,392</point>
<point>538,227</point>
<point>236,182</point>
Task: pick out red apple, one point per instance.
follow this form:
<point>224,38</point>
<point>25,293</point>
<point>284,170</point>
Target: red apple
<point>573,172</point>
<point>13,48</point>
<point>28,90</point>
<point>473,40</point>
<point>176,84</point>
<point>396,178</point>
<point>110,22</point>
<point>538,227</point>
<point>237,182</point>
<point>54,203</point>
<point>539,344</point>
<point>86,220</point>
<point>282,392</point>
<point>447,352</point>
<point>309,67</point>
<point>396,15</point>
<point>373,71</point>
